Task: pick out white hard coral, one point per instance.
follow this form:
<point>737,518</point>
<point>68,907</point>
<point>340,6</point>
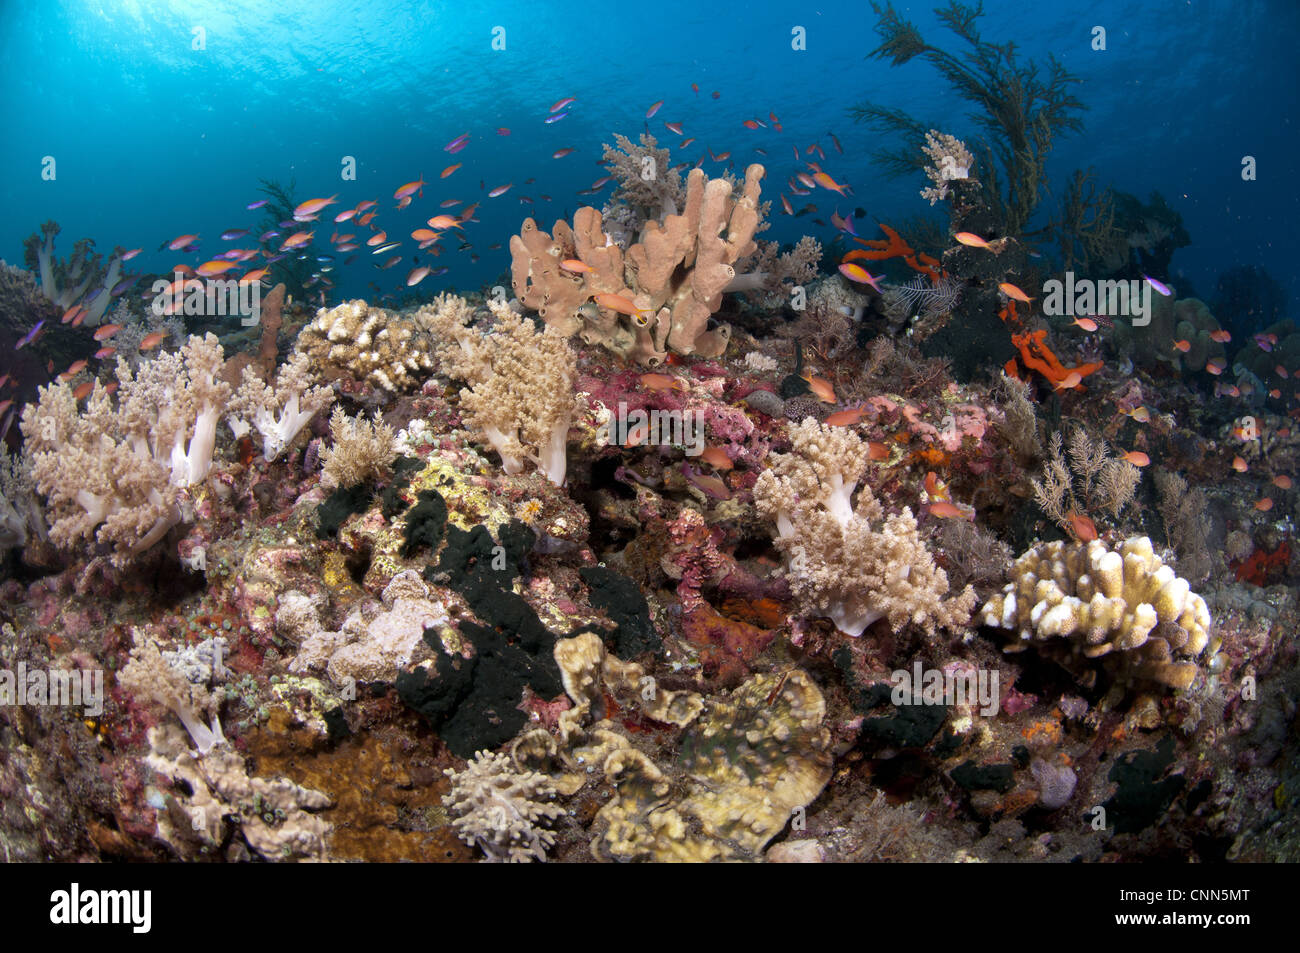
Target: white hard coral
<point>1124,601</point>
<point>521,382</point>
<point>500,808</point>
<point>116,472</point>
<point>846,560</point>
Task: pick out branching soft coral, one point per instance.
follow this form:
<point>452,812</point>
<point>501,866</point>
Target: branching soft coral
<point>850,561</point>
<point>520,392</point>
<point>150,677</point>
<point>278,413</point>
<point>363,450</point>
<point>116,472</point>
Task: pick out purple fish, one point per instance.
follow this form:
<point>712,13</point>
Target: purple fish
<point>555,117</point>
<point>289,224</point>
<point>1164,289</point>
<point>267,236</point>
<point>440,271</point>
<point>232,234</point>
<point>460,142</point>
<point>258,204</point>
<point>30,336</point>
<point>124,285</point>
<point>274,258</point>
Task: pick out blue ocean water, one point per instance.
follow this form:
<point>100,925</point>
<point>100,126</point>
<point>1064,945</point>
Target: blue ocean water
<point>153,138</point>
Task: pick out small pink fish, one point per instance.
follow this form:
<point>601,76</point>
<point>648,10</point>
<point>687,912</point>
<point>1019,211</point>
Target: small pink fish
<point>855,272</point>
<point>650,113</point>
<point>500,190</point>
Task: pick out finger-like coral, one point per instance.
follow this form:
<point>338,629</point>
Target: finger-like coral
<point>673,277</point>
<point>501,809</point>
<point>1124,601</point>
<point>371,344</point>
<point>150,676</point>
<point>850,561</point>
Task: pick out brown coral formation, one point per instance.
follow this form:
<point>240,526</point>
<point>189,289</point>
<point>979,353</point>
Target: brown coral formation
<point>674,275</point>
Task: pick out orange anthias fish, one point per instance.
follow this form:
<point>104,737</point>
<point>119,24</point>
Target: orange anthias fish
<point>1220,337</point>
<point>1137,458</point>
<point>575,265</point>
<point>822,389</point>
<point>424,234</point>
<point>1070,381</point>
<point>1282,481</point>
<point>449,170</point>
<point>181,241</point>
<point>877,450</point>
<point>210,269</point>
<point>1183,345</point>
<point>83,390</point>
<point>151,341</point>
<point>846,418</point>
<point>445,221</point>
<point>971,239</point>
<point>377,239</point>
<point>411,188</point>
<point>662,382</point>
<point>948,511</point>
<point>826,182</point>
<point>306,212</point>
<point>1011,291</point>
<point>1140,414</point>
<point>106,331</point>
<point>1265,504</point>
<point>855,272</point>
<point>717,458</point>
<point>1239,464</point>
<point>1087,324</point>
<point>1084,529</point>
<point>620,304</point>
<point>297,240</point>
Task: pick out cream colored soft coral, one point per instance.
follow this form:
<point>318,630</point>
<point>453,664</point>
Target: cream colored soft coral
<point>520,393</point>
<point>117,471</point>
<point>1104,601</point>
<point>846,560</point>
<point>362,450</point>
<point>279,413</point>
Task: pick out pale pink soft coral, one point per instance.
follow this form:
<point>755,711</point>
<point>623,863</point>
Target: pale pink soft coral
<point>847,560</point>
<point>117,472</point>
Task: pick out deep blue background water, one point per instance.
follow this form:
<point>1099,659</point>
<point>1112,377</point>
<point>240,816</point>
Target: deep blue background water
<point>154,139</point>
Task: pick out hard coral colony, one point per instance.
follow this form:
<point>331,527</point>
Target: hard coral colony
<point>677,543</point>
